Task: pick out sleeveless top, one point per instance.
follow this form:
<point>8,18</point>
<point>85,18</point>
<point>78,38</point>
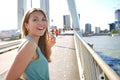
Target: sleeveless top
<point>36,69</point>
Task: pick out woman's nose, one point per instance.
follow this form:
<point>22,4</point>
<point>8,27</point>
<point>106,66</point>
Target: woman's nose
<point>40,22</point>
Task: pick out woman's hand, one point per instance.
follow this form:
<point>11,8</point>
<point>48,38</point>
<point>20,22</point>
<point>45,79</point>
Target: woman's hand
<point>51,40</point>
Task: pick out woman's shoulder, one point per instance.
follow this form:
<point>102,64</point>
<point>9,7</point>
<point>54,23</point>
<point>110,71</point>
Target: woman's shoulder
<point>27,46</point>
<point>27,51</point>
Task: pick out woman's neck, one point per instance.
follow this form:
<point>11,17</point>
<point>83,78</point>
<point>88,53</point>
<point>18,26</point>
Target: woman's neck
<point>35,38</point>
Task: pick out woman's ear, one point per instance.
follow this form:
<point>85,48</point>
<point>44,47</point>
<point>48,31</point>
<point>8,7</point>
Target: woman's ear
<point>26,26</point>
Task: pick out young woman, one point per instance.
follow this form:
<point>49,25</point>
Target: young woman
<point>35,50</point>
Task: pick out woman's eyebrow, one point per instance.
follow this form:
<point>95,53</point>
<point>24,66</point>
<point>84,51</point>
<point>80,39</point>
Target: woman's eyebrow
<point>38,17</point>
<point>35,17</point>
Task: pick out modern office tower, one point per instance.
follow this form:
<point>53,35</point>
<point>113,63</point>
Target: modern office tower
<point>88,28</point>
<point>66,22</point>
<point>117,19</point>
<point>111,26</point>
<point>97,30</point>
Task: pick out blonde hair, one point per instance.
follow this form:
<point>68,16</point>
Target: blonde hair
<point>42,40</point>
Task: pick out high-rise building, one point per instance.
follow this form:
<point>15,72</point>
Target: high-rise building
<point>112,26</point>
<point>117,19</point>
<point>97,30</point>
<point>66,22</point>
<point>88,28</point>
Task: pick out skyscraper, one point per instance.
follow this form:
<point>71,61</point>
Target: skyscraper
<point>66,22</point>
<point>88,28</point>
<point>117,19</point>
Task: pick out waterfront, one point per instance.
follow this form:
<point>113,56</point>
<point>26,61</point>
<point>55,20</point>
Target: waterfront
<point>108,48</point>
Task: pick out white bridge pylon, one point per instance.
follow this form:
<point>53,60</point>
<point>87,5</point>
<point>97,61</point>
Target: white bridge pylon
<point>74,14</point>
<point>44,4</point>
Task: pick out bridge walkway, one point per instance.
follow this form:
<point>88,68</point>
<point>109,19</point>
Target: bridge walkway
<point>64,63</point>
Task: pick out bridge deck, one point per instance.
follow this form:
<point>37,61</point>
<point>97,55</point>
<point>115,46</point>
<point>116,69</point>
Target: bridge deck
<point>64,62</point>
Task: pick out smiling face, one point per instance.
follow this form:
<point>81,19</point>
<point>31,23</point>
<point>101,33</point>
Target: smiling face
<point>37,24</point>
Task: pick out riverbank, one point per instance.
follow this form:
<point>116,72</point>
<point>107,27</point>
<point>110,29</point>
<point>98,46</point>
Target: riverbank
<point>113,35</point>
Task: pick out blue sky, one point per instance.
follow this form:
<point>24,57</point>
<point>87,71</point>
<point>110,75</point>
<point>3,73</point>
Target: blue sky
<point>97,12</point>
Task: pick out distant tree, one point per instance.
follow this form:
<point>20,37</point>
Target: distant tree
<point>119,31</point>
<point>106,31</point>
<point>114,31</point>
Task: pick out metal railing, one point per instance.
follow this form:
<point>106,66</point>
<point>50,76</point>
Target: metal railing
<point>91,65</point>
<point>9,46</point>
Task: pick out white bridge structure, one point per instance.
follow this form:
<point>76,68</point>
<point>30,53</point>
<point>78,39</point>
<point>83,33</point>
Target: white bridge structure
<point>44,4</point>
<point>91,65</point>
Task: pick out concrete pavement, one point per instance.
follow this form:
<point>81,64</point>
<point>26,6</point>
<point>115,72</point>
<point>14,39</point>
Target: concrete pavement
<point>64,63</point>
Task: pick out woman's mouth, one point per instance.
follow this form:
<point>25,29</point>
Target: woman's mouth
<point>40,28</point>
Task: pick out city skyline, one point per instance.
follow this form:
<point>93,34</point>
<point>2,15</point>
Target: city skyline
<point>99,13</point>
<point>96,12</point>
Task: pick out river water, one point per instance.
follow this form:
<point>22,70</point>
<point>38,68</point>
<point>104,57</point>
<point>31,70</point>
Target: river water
<point>108,48</point>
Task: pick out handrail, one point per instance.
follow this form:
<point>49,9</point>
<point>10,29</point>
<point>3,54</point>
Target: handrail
<point>9,46</point>
<point>92,63</point>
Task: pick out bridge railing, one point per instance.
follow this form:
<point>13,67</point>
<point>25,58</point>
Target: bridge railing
<point>91,65</point>
<point>9,45</point>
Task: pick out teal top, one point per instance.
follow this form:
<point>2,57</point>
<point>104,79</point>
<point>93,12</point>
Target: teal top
<point>37,69</point>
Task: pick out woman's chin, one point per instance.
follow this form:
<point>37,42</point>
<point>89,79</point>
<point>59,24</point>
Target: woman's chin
<point>41,34</point>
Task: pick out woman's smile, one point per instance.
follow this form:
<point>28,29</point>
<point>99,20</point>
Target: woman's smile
<point>40,28</point>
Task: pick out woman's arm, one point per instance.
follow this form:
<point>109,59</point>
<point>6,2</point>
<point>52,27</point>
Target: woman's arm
<point>51,40</point>
<point>21,61</point>
<point>50,43</point>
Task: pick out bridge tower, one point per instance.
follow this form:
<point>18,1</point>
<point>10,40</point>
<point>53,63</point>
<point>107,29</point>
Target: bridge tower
<point>44,4</point>
<point>22,7</point>
<point>74,14</point>
<point>21,10</point>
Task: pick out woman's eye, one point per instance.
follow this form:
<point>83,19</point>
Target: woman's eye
<point>35,19</point>
<point>43,19</point>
